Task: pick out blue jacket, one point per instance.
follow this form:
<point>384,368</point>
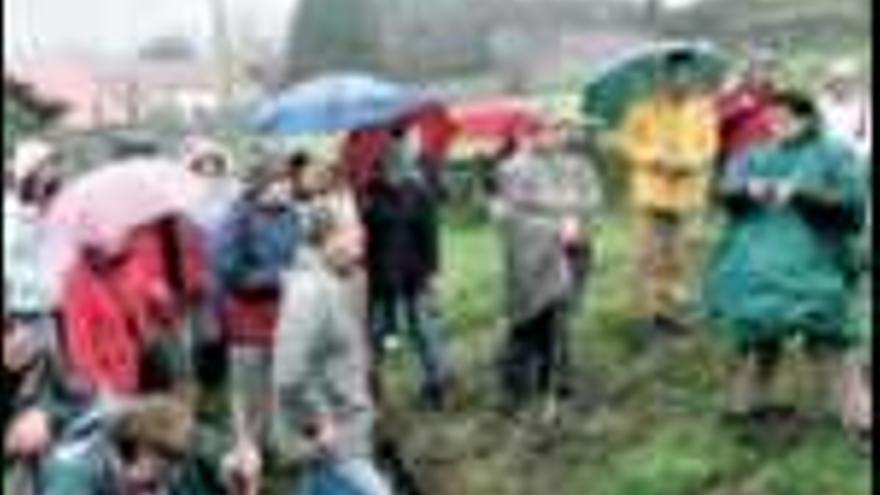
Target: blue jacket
<point>256,245</point>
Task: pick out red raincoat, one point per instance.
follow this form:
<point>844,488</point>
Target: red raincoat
<point>101,346</point>
<point>110,315</point>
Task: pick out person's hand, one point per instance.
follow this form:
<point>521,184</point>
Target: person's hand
<point>30,433</point>
<point>242,467</point>
<point>326,433</point>
<point>570,231</point>
<point>759,189</point>
<point>19,347</point>
<point>782,193</point>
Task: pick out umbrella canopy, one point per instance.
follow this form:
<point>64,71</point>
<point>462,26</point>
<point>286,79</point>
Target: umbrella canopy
<point>495,119</point>
<point>102,207</point>
<point>611,90</point>
<point>364,148</point>
<point>336,103</point>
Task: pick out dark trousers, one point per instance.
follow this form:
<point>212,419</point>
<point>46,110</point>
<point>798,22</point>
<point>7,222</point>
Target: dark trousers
<point>535,356</point>
<point>417,315</point>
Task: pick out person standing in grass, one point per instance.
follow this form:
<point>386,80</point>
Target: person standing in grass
<point>785,268</point>
<point>401,219</point>
<point>258,244</point>
<point>670,142</point>
<point>543,218</point>
<point>324,410</point>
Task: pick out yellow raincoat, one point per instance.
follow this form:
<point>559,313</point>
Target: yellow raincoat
<point>670,147</point>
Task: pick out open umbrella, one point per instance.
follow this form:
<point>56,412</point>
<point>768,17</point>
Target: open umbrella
<point>336,103</point>
<point>100,208</point>
<point>495,119</point>
<point>611,89</point>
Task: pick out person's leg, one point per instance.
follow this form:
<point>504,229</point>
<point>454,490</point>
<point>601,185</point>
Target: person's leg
<point>426,330</point>
<point>669,269</point>
<point>545,333</point>
<point>841,390</point>
<point>753,375</point>
<point>580,263</point>
<point>250,392</point>
<point>657,285</point>
<point>384,320</point>
<point>515,365</point>
<point>646,260</point>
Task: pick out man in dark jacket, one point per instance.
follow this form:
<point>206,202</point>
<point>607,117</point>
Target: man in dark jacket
<point>401,220</point>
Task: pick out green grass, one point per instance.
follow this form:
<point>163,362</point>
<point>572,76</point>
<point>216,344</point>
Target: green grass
<point>656,433</point>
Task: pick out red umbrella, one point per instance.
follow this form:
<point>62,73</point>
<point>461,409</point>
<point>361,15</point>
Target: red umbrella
<point>498,119</point>
<point>363,148</point>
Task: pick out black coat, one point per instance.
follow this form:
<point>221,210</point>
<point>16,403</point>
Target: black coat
<point>402,238</point>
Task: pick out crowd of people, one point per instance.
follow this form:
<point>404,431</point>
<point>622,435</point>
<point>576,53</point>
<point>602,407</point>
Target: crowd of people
<point>287,289</point>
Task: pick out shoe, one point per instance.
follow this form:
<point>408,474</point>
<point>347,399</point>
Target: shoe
<point>391,343</point>
<point>670,327</point>
<point>434,397</point>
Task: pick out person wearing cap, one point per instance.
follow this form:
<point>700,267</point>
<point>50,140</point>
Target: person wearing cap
<point>745,108</point>
<point>669,142</point>
<point>258,242</point>
<point>846,111</point>
<point>784,268</point>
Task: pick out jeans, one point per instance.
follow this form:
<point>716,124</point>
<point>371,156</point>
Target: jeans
<point>418,314</point>
<point>344,477</point>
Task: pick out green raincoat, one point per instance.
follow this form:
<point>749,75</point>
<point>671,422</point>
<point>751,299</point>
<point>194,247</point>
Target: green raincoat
<point>790,269</point>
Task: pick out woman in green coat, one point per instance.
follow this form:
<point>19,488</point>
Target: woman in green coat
<point>785,267</point>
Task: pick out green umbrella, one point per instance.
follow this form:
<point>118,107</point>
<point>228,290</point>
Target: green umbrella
<point>611,89</point>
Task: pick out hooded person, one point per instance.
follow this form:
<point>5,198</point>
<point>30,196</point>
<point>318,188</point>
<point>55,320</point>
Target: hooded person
<point>214,164</point>
<point>785,267</point>
<point>669,142</point>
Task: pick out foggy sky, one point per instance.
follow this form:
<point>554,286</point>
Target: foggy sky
<point>35,28</point>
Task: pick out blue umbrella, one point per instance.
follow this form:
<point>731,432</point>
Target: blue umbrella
<point>336,103</point>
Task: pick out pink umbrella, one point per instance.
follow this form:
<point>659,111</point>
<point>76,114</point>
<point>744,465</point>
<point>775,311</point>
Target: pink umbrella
<point>102,207</point>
